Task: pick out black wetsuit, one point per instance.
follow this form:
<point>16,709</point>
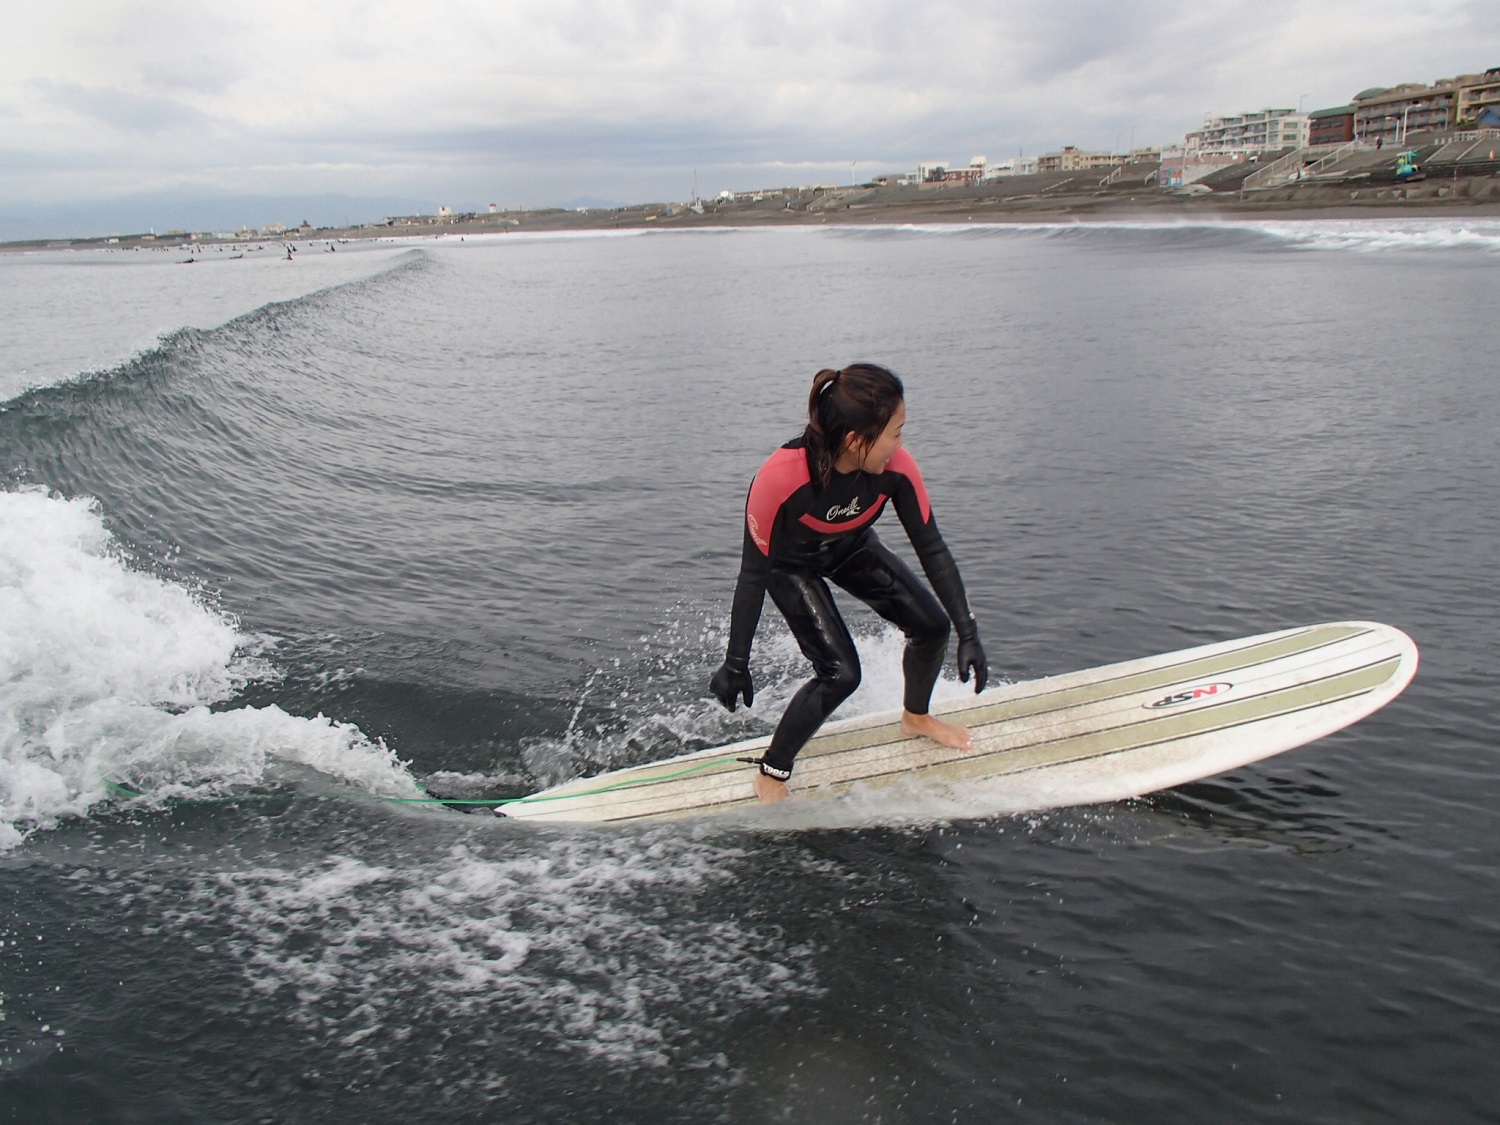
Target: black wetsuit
<point>797,534</point>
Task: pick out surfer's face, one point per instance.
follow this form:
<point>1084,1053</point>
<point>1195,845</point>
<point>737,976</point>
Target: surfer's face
<point>878,452</point>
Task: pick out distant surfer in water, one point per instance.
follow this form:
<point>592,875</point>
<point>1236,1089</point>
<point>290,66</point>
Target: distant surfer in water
<point>807,521</point>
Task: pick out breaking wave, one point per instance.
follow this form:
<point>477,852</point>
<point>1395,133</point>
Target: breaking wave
<point>107,672</point>
<point>1360,235</point>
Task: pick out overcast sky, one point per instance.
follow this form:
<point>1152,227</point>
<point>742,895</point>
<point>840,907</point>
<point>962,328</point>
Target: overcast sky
<point>543,101</point>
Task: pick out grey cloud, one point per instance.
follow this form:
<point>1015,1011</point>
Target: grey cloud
<point>194,73</point>
<point>548,98</point>
<point>122,109</point>
<point>1066,35</point>
<point>26,161</point>
<point>643,142</point>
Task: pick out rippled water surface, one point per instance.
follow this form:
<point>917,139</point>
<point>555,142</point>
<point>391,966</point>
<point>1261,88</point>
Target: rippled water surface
<point>288,539</point>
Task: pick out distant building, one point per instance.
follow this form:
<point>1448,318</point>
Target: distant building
<point>1074,159</point>
<point>1387,114</point>
<point>1478,99</point>
<point>1243,135</point>
<point>1334,126</point>
<point>936,173</point>
<point>1016,166</point>
<point>1390,113</point>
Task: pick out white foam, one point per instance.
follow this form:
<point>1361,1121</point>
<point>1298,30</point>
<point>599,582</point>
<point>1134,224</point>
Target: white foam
<point>1361,235</point>
<point>598,944</point>
<point>109,672</point>
<point>1376,235</point>
<point>1366,235</point>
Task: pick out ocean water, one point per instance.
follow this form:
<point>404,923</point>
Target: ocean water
<point>281,540</point>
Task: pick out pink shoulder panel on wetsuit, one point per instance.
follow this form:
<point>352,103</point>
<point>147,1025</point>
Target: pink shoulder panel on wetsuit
<point>904,463</point>
<point>784,472</point>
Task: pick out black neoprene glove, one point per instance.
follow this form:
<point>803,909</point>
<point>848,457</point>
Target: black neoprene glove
<point>733,680</point>
<point>971,658</point>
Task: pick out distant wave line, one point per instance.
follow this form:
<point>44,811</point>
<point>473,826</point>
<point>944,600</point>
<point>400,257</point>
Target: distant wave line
<point>167,341</point>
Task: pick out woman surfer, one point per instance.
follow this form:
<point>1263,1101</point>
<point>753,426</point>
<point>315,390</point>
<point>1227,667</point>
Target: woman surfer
<point>808,520</point>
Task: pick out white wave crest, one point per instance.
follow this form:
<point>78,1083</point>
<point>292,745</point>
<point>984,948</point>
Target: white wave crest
<point>1376,235</point>
<point>109,672</point>
<point>1363,235</point>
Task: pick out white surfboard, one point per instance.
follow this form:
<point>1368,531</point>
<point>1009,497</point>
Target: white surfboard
<point>1104,734</point>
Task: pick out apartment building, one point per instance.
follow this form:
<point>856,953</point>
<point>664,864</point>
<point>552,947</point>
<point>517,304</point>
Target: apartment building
<point>1015,166</point>
<point>1245,134</point>
<point>1332,126</point>
<point>1074,159</point>
<point>1389,113</point>
<point>1477,99</point>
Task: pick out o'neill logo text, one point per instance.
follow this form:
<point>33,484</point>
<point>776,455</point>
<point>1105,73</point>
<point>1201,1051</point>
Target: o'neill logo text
<point>1189,695</point>
<point>754,526</point>
<point>850,509</point>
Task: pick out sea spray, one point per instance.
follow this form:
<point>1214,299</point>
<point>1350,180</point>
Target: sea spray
<point>109,672</point>
<point>620,948</point>
<point>627,715</point>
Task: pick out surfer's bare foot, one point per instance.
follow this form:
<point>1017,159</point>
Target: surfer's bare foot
<point>768,789</point>
<point>928,726</point>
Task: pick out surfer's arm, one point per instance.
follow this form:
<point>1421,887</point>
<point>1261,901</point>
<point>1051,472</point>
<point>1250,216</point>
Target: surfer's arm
<point>733,680</point>
<point>915,511</point>
<point>765,520</point>
<point>749,598</point>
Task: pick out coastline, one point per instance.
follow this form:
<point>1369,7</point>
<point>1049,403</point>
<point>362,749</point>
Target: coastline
<point>1466,198</point>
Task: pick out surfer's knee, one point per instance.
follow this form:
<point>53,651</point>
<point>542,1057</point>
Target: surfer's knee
<point>930,635</point>
<point>841,680</point>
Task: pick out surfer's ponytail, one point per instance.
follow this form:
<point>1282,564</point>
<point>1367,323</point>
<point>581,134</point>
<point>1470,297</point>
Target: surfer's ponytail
<point>859,399</point>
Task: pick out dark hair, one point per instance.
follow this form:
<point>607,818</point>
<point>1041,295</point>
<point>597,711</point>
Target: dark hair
<point>859,400</point>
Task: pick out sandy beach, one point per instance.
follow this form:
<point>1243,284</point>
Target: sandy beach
<point>1009,201</point>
